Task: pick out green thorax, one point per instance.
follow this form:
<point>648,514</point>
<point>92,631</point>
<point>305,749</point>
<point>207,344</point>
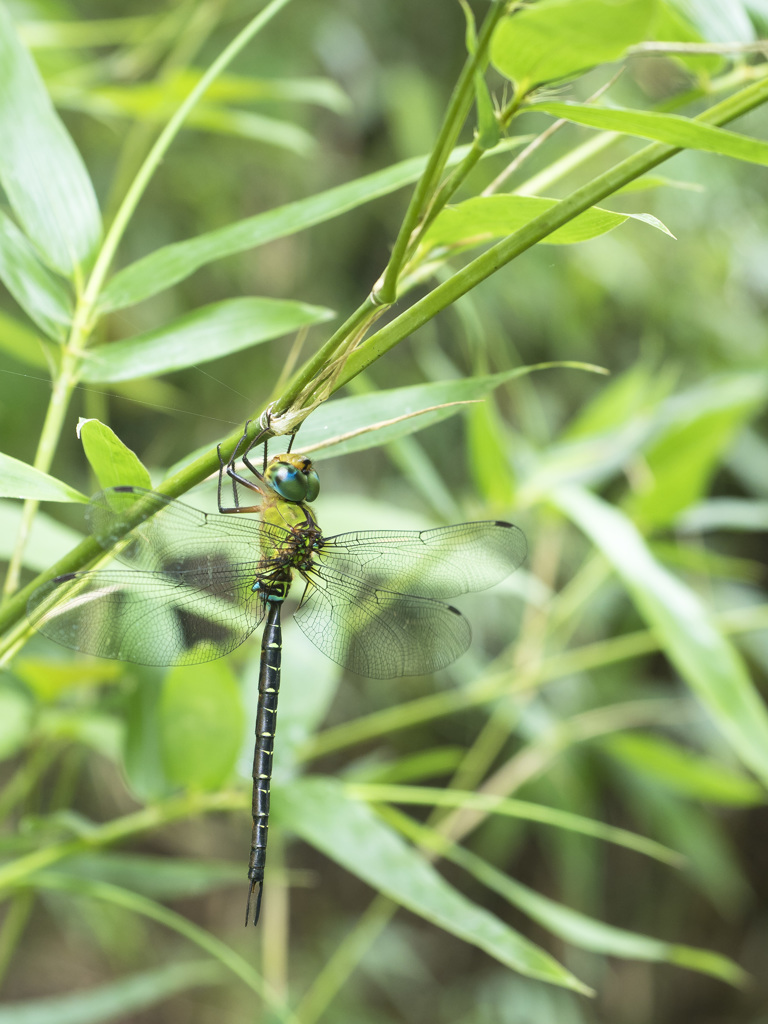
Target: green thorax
<point>290,483</point>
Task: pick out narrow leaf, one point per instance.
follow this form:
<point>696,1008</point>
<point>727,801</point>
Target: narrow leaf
<point>172,263</point>
<point>487,218</point>
<point>116,999</point>
<point>669,128</point>
<point>202,335</point>
<point>113,463</point>
<point>40,169</point>
<point>710,665</point>
<point>523,809</point>
<point>367,421</point>
<point>320,811</point>
<point>683,771</point>
<point>43,297</point>
<point>20,480</point>
<point>571,925</point>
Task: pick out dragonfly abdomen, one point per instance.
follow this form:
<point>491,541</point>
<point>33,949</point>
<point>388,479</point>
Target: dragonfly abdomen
<point>274,593</point>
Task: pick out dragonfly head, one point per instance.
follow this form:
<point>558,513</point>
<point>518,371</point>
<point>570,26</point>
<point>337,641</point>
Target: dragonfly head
<point>293,478</point>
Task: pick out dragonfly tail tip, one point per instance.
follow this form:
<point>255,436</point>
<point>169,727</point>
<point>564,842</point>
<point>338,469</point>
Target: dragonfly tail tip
<point>257,908</point>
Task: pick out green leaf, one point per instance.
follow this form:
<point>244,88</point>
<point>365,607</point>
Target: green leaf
<point>571,925</point>
<point>151,104</point>
<point>20,480</point>
<point>697,427</point>
<point>717,23</point>
<point>669,128</point>
<point>21,343</point>
<point>710,665</point>
<point>487,218</point>
<point>559,39</point>
<point>115,1000</point>
<point>43,297</point>
<point>172,263</point>
<point>204,334</point>
<point>367,421</point>
<point>48,539</point>
<point>111,461</point>
<point>523,809</point>
<point>40,169</point>
<point>201,725</point>
<point>320,811</point>
<point>682,770</point>
<point>161,878</point>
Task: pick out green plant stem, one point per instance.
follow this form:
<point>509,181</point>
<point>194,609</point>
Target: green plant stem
<point>16,872</point>
<point>459,106</point>
<point>345,958</point>
<point>503,252</point>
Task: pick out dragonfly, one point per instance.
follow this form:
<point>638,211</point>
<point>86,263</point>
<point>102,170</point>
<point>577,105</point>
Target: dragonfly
<point>197,585</point>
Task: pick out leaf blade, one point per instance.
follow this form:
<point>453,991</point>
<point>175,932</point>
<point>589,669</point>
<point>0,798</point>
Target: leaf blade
<point>204,334</point>
<point>41,171</point>
<point>708,662</point>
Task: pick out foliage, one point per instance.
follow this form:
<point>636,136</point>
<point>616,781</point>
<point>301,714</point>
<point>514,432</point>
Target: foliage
<point>606,736</point>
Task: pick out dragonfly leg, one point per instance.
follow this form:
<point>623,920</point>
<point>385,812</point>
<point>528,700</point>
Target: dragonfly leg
<point>236,478</point>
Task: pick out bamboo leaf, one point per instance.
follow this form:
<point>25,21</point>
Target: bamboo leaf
<point>20,480</point>
<point>708,662</point>
<point>43,297</point>
<point>172,263</point>
<point>368,421</point>
<point>559,39</point>
<point>669,128</point>
<point>487,218</point>
<point>113,463</point>
<point>523,809</point>
<point>204,334</point>
<point>683,771</point>
<point>41,171</point>
<point>321,812</point>
<point>571,925</point>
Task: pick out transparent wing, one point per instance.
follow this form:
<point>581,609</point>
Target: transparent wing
<point>171,536</point>
<point>150,618</point>
<point>435,563</point>
<point>376,632</point>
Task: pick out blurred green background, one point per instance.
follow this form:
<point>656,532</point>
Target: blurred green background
<point>675,438</point>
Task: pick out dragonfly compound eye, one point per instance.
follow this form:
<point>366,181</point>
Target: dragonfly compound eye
<point>313,485</point>
<point>289,482</point>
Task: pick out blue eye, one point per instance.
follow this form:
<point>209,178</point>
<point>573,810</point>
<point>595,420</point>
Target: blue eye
<point>287,481</point>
